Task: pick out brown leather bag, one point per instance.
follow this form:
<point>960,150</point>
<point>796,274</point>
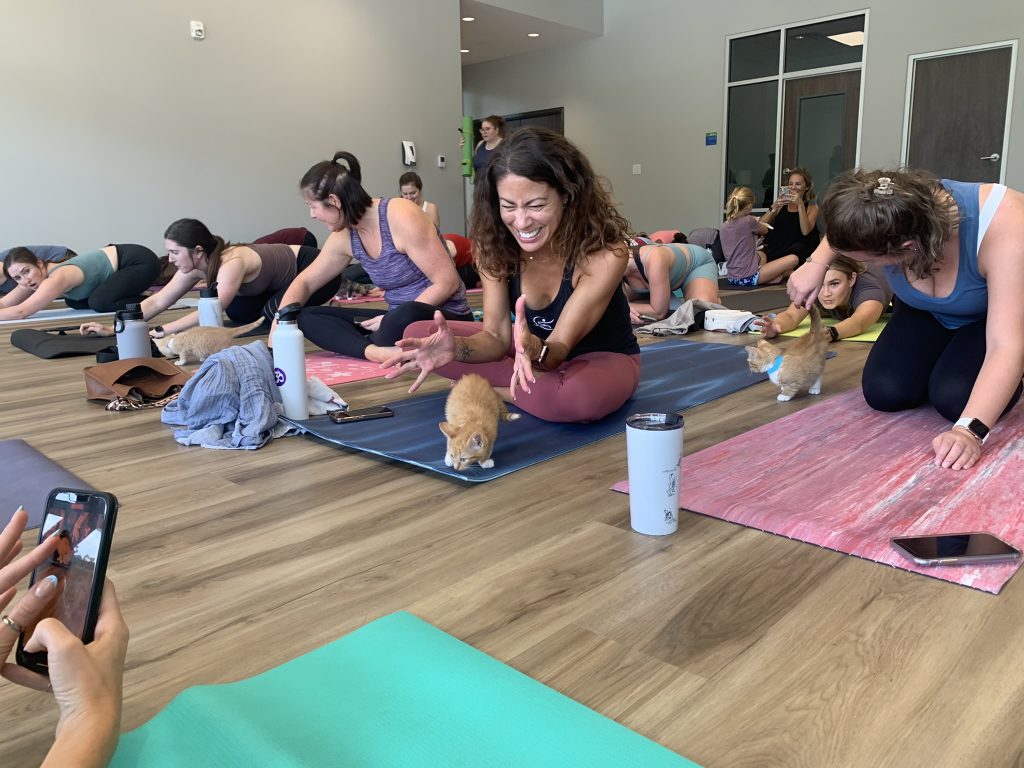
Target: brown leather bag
<point>139,378</point>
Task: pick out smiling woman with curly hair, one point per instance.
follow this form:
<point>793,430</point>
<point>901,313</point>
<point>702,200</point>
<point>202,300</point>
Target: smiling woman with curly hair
<point>549,243</point>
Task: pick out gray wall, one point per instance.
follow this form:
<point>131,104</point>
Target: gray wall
<point>649,89</point>
<point>117,123</point>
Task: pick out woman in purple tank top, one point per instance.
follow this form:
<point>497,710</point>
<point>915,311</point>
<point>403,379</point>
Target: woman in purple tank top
<point>397,245</point>
<point>547,241</point>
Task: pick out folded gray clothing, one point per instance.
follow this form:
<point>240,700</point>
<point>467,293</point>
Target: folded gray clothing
<point>680,321</point>
<point>232,401</point>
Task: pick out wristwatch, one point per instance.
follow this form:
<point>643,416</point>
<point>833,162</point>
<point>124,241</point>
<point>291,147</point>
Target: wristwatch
<point>543,354</point>
<point>975,426</point>
<point>159,329</point>
<point>833,333</point>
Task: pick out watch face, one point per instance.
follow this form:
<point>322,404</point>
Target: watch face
<point>978,428</point>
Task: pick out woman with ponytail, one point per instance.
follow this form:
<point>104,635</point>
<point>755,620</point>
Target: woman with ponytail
<point>104,280</point>
<point>398,246</point>
<point>250,279</point>
<point>748,266</point>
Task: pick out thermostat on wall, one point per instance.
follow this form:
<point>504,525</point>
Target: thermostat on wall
<point>197,29</point>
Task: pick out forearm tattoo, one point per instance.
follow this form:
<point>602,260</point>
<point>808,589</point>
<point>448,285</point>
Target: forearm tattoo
<point>462,351</point>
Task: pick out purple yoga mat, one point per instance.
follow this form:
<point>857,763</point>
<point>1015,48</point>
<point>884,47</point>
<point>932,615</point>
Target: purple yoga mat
<point>26,479</point>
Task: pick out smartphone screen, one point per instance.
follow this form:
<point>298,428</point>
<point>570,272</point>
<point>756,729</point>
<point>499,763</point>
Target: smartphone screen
<point>955,548</point>
<point>84,521</point>
<point>361,414</point>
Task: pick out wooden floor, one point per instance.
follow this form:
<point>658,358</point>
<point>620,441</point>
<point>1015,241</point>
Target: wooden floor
<point>730,646</point>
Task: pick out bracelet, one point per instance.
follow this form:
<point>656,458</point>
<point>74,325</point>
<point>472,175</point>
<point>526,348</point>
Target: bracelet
<point>822,263</point>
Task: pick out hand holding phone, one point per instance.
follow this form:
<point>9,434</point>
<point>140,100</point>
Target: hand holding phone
<point>81,524</point>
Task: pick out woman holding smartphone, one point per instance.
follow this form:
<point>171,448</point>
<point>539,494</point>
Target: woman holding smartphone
<point>85,680</point>
<point>792,219</point>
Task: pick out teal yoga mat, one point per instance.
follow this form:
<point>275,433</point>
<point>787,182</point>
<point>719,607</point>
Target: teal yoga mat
<point>396,693</point>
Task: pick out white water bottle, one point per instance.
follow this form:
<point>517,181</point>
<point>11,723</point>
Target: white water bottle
<point>132,333</point>
<point>210,312</point>
<point>290,362</point>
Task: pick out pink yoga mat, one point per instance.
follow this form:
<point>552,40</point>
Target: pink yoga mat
<point>332,368</point>
<point>848,478</point>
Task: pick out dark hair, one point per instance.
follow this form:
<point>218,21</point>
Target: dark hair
<point>497,122</point>
<point>919,208</point>
<point>329,177</point>
<point>192,234</point>
<point>410,177</point>
<point>589,222</point>
<point>21,255</point>
<point>803,173</point>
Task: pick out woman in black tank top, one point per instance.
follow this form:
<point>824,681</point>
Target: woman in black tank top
<point>549,245</point>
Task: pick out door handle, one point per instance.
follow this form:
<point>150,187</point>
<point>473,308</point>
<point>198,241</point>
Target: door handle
<point>994,157</point>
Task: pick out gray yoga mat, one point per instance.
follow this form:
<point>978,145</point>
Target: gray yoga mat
<point>27,477</point>
<point>760,300</point>
<point>82,315</point>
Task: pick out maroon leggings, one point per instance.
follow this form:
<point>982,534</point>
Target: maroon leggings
<point>585,388</point>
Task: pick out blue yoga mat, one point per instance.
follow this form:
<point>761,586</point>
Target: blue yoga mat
<point>674,375</point>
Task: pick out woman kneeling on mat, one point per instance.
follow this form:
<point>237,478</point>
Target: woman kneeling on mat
<point>103,281</point>
<point>851,294</point>
<point>656,271</point>
<point>399,247</point>
<point>952,253</point>
<point>548,241</point>
<point>250,279</point>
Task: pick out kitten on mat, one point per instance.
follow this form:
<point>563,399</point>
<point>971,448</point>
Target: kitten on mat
<point>472,411</point>
<point>197,344</point>
<point>800,367</point>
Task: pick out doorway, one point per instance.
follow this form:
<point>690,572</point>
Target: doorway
<point>958,106</point>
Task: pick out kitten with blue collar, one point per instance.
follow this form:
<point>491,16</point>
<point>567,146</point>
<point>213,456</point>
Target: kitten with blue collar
<point>797,369</point>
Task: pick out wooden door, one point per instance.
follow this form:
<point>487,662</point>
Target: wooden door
<point>958,114</point>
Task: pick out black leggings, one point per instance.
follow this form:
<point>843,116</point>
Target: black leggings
<point>917,360</point>
<point>335,329</point>
<point>137,270</point>
<point>245,309</point>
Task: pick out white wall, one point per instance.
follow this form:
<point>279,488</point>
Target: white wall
<point>116,122</point>
<point>649,89</point>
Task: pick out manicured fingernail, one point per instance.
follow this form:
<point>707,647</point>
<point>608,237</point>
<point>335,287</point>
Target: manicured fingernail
<point>46,587</point>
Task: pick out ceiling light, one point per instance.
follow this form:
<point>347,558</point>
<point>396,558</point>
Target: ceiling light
<point>464,50</point>
<point>533,34</point>
<point>849,38</point>
<point>469,18</point>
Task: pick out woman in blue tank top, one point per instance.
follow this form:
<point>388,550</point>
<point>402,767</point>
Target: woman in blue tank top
<point>548,243</point>
<point>397,245</point>
<point>104,280</point>
<point>951,252</point>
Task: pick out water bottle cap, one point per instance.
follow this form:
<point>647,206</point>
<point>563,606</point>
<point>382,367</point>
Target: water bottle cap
<point>209,292</point>
<point>289,314</point>
<point>130,312</point>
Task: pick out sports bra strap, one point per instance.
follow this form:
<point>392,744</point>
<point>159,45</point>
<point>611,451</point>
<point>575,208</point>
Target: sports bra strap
<point>989,210</point>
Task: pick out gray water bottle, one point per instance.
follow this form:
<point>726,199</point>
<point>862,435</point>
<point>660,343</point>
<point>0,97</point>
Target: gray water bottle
<point>132,333</point>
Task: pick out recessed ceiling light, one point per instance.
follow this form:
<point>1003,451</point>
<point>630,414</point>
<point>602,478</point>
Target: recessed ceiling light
<point>469,18</point>
<point>533,34</point>
<point>464,50</point>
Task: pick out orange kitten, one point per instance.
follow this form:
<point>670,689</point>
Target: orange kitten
<point>197,344</point>
<point>472,412</point>
<point>800,367</point>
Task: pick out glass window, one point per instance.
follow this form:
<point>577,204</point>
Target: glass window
<point>825,44</point>
<point>750,155</point>
<point>754,56</point>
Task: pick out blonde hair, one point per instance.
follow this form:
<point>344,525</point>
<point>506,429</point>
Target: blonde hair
<point>739,199</point>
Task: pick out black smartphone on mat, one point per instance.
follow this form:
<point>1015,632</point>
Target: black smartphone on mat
<point>84,520</point>
<point>955,549</point>
<point>361,414</point>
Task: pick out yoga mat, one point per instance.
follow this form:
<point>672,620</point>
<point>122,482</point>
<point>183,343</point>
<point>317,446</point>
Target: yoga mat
<point>674,375</point>
<point>757,301</point>
<point>396,693</point>
<point>27,477</point>
<point>64,341</point>
<point>845,477</point>
<point>82,315</point>
<point>871,334</point>
<point>332,368</point>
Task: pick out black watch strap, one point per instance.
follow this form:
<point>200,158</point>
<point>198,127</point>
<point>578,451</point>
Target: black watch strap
<point>833,334</point>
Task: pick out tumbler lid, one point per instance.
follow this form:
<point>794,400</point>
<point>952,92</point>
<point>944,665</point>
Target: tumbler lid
<point>130,312</point>
<point>655,421</point>
<point>209,292</point>
<point>289,314</point>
